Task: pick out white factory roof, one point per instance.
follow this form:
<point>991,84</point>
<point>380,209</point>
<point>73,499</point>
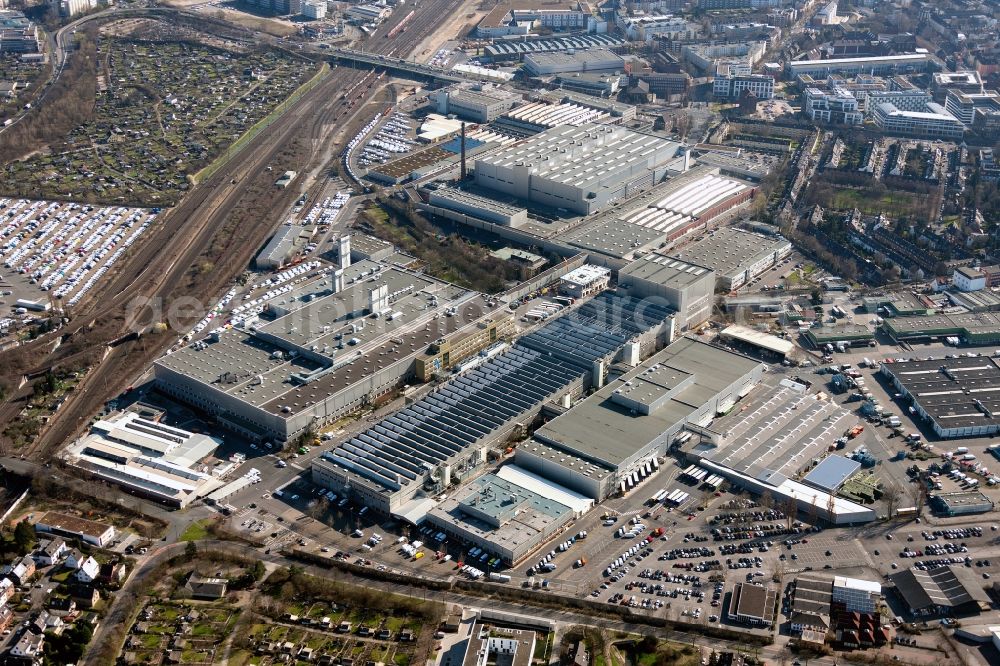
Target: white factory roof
<point>700,195</point>
<point>484,72</point>
<point>857,584</point>
<point>547,489</point>
<point>437,127</point>
<point>759,339</point>
<point>586,274</point>
<point>550,115</point>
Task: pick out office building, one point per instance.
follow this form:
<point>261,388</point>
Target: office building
<point>314,10</point>
<point>500,646</point>
<point>728,58</point>
<point>737,256</point>
<point>580,169</point>
<point>18,34</point>
<point>563,62</point>
<point>877,66</point>
<point>904,100</point>
<point>968,279</point>
<point>478,103</point>
<point>968,82</point>
<point>836,106</point>
<point>965,106</point>
<point>933,123</point>
<point>855,595</point>
<point>687,288</point>
<point>733,87</point>
<point>584,281</point>
<point>752,604</point>
<point>954,395</point>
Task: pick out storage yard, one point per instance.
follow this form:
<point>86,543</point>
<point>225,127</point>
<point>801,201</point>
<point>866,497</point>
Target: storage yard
<point>56,252</point>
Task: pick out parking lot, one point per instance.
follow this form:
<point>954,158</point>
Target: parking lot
<point>57,251</point>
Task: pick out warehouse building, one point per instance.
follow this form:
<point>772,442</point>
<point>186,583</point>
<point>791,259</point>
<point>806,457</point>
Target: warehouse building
<point>512,51</point>
<point>608,442</point>
<point>775,439</point>
<point>978,328</point>
<point>399,464</point>
<point>831,473</point>
<point>944,590</point>
<point>368,13</point>
<point>878,66</point>
<point>581,169</point>
<point>566,62</point>
<point>849,334</point>
<point>146,458</point>
<point>319,350</point>
<point>282,246</point>
<point>658,218</point>
<point>476,102</point>
<point>961,503</point>
<point>687,288</point>
<point>770,345</point>
<point>959,396</point>
<point>736,256</point>
<point>478,207</point>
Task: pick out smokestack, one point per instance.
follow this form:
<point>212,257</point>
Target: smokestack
<point>345,251</point>
<point>338,280</point>
<point>463,152</point>
<point>687,158</point>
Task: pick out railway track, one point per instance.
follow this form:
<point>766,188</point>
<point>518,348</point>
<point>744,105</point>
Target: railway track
<point>159,269</point>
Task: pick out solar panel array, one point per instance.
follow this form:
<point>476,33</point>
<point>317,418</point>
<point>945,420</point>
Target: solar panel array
<point>596,329</point>
<point>403,448</point>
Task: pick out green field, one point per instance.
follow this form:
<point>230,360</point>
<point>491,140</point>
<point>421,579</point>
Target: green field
<point>894,204</point>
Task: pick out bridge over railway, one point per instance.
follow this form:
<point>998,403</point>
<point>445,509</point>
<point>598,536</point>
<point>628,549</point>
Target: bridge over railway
<point>405,68</point>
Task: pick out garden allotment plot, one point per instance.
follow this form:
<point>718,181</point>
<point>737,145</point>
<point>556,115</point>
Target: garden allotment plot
<point>166,105</point>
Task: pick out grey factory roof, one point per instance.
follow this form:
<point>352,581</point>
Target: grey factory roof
<point>978,322</point>
<point>584,58</point>
<point>974,301</point>
<point>665,271</point>
<point>521,514</point>
<point>280,247</point>
<point>401,448</point>
<point>597,329</point>
<point>831,474</point>
<point>472,199</point>
<point>256,366</point>
<point>955,392</point>
<point>781,432</point>
<point>606,432</point>
<point>812,595</point>
<point>729,250</point>
<point>609,150</point>
<point>507,48</point>
<point>945,586</point>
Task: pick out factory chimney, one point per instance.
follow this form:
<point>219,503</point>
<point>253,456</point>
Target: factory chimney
<point>338,280</point>
<point>463,153</point>
<point>687,158</point>
<point>345,251</point>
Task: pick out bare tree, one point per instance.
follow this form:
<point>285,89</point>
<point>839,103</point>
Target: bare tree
<point>890,494</point>
<point>789,508</point>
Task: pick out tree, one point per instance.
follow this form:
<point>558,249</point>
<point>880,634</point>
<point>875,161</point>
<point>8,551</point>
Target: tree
<point>258,570</point>
<point>190,550</point>
<point>24,537</point>
<point>890,494</point>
